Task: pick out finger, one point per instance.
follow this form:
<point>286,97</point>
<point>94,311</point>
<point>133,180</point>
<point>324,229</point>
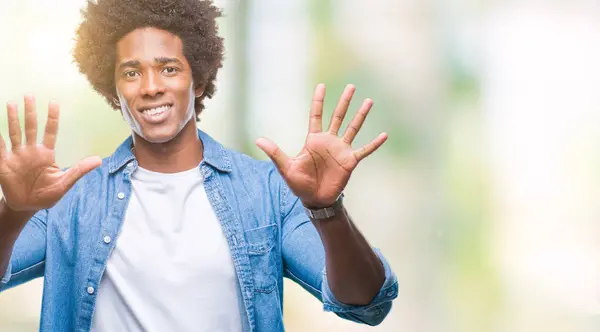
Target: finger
<point>315,123</point>
<point>51,125</point>
<point>340,110</point>
<point>14,127</point>
<point>278,157</point>
<point>30,120</point>
<point>2,148</point>
<point>80,169</point>
<point>369,148</point>
<point>357,121</point>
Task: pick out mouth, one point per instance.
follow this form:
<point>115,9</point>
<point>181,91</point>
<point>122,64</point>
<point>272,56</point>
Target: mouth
<point>156,114</point>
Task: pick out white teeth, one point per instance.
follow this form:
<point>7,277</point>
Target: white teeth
<point>157,110</point>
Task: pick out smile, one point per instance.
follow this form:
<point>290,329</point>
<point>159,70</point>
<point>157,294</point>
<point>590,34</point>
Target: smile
<point>156,114</point>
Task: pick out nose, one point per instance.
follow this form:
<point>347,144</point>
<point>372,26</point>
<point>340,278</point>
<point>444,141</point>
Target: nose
<point>152,85</point>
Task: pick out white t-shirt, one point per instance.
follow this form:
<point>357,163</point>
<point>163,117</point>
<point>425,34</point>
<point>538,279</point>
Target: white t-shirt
<point>171,268</point>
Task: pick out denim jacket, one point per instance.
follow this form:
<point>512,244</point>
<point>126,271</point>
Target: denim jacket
<point>268,233</point>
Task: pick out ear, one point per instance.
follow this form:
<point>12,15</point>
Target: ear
<point>115,102</point>
<point>199,91</point>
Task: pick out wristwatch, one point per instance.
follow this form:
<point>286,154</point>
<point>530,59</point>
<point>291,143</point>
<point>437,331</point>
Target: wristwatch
<point>327,212</point>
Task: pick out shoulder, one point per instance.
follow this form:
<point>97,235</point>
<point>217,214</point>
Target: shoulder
<point>258,176</point>
<point>251,169</point>
<point>85,195</point>
<point>242,162</point>
<point>94,182</point>
<point>96,177</point>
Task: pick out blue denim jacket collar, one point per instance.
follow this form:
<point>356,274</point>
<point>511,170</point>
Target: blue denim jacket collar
<point>215,154</point>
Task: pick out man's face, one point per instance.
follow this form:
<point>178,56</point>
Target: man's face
<point>154,81</point>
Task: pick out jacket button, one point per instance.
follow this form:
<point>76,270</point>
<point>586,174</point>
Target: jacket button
<point>107,239</point>
<point>120,195</point>
<point>91,290</point>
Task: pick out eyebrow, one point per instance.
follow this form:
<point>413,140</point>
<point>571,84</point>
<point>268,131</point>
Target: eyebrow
<point>165,60</point>
<point>160,60</point>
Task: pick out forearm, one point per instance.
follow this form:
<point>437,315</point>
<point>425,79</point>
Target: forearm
<point>354,272</point>
<point>11,225</point>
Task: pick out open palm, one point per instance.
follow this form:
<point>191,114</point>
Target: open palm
<point>320,172</point>
<point>29,176</point>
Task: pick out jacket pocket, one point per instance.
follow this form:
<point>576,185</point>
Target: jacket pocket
<point>261,243</point>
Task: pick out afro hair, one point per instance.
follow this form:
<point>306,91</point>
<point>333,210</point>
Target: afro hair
<point>105,22</point>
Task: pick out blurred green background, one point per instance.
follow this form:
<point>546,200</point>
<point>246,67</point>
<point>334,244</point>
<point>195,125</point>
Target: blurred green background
<point>483,199</point>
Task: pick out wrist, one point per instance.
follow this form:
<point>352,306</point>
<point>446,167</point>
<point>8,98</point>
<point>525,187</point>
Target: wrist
<point>325,211</point>
<point>15,220</point>
<point>320,204</point>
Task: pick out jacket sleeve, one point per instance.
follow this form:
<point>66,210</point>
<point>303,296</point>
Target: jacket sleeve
<point>304,263</point>
<point>28,255</point>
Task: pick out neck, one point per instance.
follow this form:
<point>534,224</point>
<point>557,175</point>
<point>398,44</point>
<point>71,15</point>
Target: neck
<point>183,152</point>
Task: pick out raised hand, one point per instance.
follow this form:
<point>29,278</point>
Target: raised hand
<point>29,176</point>
<point>320,172</point>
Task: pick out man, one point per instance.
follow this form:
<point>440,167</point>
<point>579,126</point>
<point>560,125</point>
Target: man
<point>173,232</point>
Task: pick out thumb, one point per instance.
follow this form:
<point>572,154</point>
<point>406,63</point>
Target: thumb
<point>274,152</point>
<point>80,169</point>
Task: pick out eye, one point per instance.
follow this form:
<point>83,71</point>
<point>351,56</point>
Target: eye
<point>130,74</point>
<point>170,70</point>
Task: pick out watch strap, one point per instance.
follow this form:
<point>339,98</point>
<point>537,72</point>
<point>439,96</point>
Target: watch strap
<point>327,212</point>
